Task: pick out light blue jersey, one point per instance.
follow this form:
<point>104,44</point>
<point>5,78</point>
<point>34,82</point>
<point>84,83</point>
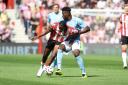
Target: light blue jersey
<point>76,23</point>
<point>53,17</point>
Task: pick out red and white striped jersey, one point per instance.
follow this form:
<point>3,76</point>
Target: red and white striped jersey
<point>124,25</point>
<point>57,34</point>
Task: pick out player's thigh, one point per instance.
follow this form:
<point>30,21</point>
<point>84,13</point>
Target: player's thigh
<point>50,44</point>
<point>124,47</point>
<point>76,45</point>
<point>47,51</point>
<point>76,48</point>
<point>62,47</point>
<point>76,52</point>
<point>54,52</point>
<point>124,42</point>
<point>53,55</point>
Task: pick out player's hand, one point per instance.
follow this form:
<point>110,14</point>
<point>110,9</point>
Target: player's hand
<point>74,32</point>
<point>34,38</point>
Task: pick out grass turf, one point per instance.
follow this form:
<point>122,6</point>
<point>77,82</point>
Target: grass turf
<point>102,70</point>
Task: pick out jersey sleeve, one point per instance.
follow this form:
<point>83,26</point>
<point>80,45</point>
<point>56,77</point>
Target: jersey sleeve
<point>81,23</point>
<point>54,26</point>
<point>72,30</point>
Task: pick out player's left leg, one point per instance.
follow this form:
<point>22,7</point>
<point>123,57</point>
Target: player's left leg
<point>76,52</point>
<point>124,43</point>
<point>53,55</point>
<point>44,58</point>
<point>59,59</point>
<point>49,47</point>
<point>63,47</point>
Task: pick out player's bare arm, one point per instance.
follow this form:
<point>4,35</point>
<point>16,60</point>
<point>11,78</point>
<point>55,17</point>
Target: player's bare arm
<point>85,30</point>
<point>43,34</point>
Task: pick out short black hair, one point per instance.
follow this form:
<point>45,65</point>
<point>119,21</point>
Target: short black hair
<point>63,26</point>
<point>63,23</point>
<point>66,9</point>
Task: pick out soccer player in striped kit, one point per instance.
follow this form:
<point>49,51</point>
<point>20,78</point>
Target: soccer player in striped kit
<point>53,17</point>
<point>123,30</point>
<point>60,31</point>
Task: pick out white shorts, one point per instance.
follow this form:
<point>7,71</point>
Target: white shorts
<point>74,46</point>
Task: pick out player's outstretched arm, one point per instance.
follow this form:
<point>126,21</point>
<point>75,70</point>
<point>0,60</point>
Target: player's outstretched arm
<point>84,30</point>
<point>46,32</point>
<point>72,32</point>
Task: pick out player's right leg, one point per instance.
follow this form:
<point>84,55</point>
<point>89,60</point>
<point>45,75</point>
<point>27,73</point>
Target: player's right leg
<point>44,58</point>
<point>51,59</point>
<point>48,49</point>
<point>124,42</point>
<point>79,59</point>
<point>63,47</point>
<point>59,59</point>
<point>124,56</point>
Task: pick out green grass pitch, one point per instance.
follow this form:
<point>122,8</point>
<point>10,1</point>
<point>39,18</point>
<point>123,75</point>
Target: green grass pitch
<point>102,70</point>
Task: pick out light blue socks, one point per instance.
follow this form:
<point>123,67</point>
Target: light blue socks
<point>81,64</point>
<point>59,58</point>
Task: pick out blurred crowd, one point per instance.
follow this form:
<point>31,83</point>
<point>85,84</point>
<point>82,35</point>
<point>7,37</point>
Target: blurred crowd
<point>6,25</point>
<point>100,4</point>
<point>103,28</point>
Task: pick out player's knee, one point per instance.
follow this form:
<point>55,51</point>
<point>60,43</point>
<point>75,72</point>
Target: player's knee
<point>76,53</point>
<point>62,47</point>
<point>124,48</point>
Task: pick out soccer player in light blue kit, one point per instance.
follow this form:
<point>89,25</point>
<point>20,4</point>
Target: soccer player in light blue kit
<point>53,17</point>
<point>76,26</point>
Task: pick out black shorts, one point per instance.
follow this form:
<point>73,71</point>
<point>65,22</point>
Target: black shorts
<point>51,43</point>
<point>124,40</point>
